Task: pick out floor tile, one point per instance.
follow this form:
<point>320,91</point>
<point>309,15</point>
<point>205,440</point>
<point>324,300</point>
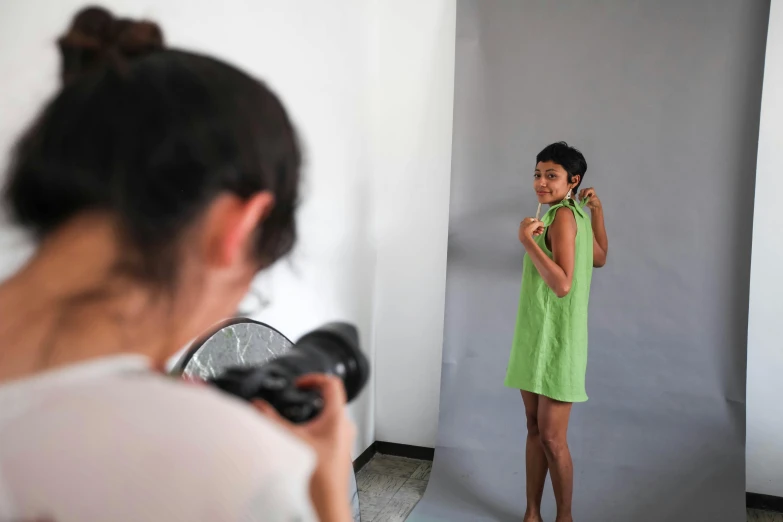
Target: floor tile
<point>397,510</point>
<point>412,489</point>
<point>394,466</point>
<point>387,493</point>
<point>755,515</point>
<point>423,471</point>
<point>371,506</point>
<point>377,485</point>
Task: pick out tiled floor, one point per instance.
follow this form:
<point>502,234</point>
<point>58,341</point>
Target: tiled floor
<point>390,487</point>
<point>761,516</point>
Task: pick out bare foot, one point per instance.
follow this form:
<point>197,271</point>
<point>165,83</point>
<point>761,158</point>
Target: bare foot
<point>567,518</point>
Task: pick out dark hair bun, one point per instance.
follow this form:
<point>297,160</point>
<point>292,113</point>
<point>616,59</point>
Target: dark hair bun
<point>96,39</point>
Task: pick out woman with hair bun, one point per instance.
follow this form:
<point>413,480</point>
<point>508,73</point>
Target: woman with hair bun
<point>158,182</point>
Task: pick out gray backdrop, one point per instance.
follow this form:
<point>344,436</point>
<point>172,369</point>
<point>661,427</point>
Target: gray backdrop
<point>663,99</point>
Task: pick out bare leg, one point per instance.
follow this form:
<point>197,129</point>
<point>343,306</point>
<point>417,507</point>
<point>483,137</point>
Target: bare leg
<point>535,460</point>
<point>553,426</point>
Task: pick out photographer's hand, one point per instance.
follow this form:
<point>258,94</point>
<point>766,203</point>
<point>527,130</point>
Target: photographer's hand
<point>331,435</point>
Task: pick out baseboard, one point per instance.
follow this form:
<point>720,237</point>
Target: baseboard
<point>394,449</point>
<point>405,450</point>
<point>364,458</point>
<point>764,502</point>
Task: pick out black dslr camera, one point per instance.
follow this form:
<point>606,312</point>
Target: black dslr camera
<point>332,349</point>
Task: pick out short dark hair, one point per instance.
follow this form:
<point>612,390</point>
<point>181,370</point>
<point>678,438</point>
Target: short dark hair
<point>151,136</point>
<point>572,161</point>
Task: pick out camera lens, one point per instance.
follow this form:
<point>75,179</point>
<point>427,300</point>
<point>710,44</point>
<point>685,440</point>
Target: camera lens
<point>335,348</point>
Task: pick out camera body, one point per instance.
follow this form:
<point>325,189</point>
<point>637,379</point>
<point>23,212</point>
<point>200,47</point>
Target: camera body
<point>332,349</point>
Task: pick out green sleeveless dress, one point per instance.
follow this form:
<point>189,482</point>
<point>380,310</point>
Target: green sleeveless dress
<point>549,353</point>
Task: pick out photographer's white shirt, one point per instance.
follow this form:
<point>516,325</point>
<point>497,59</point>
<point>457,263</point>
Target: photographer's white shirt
<point>110,440</point>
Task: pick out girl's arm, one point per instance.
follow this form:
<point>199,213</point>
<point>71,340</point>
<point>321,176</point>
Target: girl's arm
<point>600,241</point>
<point>558,271</point>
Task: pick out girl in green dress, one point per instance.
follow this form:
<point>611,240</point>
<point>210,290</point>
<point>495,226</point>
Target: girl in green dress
<point>549,354</point>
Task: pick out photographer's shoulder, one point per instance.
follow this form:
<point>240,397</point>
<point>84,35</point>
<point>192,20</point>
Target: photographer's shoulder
<point>219,421</point>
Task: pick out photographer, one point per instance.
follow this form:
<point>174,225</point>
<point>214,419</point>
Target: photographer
<point>158,183</point>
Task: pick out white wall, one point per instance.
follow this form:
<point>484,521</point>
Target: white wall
<point>369,84</point>
<point>412,91</point>
<point>764,450</point>
<point>313,54</point>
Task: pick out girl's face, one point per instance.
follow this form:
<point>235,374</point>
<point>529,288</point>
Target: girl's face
<point>550,182</point>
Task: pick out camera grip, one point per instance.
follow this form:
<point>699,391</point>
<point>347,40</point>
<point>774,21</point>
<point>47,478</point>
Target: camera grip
<point>274,385</point>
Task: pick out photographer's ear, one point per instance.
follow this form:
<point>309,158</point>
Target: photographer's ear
<point>230,225</point>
